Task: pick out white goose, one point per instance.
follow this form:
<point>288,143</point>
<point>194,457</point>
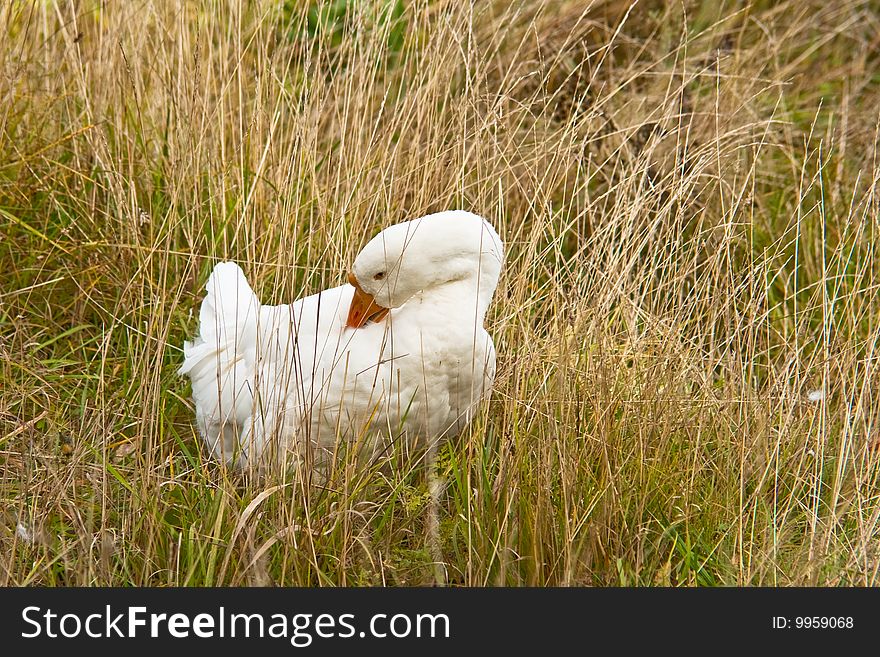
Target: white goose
<point>400,352</point>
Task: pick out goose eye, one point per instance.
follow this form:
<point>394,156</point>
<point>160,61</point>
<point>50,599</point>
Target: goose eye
<point>379,276</point>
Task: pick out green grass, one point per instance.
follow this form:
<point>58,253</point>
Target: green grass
<point>688,193</point>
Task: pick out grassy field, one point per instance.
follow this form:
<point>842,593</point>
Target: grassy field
<point>688,325</point>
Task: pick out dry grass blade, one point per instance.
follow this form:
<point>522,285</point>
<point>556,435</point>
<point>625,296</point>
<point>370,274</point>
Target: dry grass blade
<point>687,326</point>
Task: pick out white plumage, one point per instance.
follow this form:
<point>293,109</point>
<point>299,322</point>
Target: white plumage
<point>400,353</point>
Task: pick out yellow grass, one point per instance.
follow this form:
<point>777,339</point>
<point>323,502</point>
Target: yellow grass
<point>688,192</point>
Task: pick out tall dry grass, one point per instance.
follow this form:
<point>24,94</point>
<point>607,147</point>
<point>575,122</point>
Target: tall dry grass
<point>687,326</point>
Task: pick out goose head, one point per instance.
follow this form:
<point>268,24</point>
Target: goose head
<point>421,255</point>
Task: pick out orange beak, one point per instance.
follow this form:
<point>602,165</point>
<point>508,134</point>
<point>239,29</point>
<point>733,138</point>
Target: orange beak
<point>363,307</point>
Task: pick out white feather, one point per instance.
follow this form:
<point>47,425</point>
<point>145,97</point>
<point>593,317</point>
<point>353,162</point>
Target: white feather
<point>272,379</point>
